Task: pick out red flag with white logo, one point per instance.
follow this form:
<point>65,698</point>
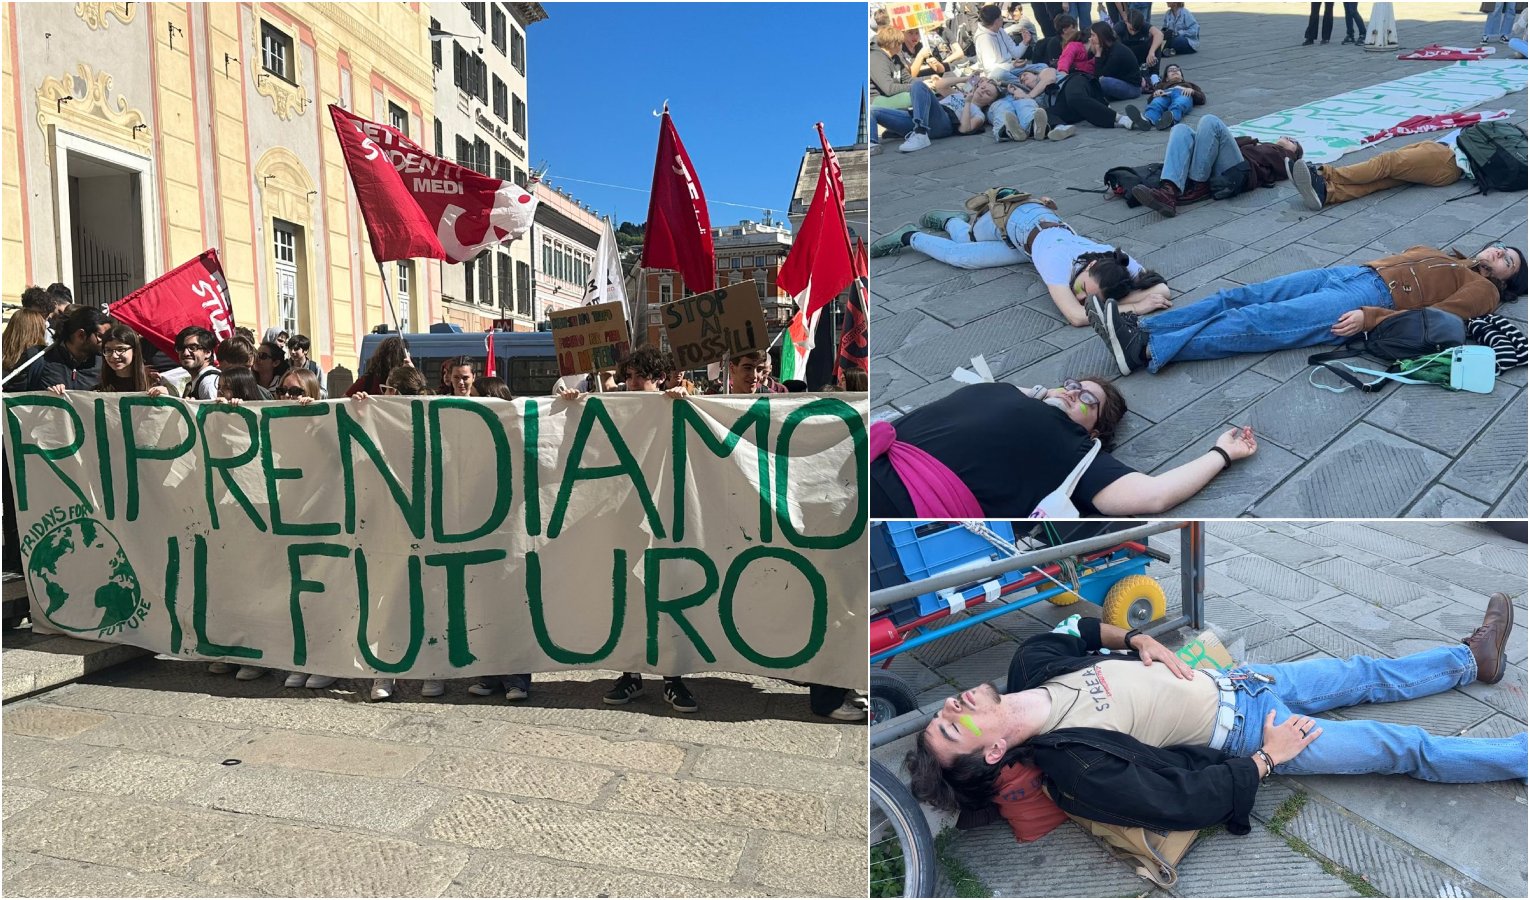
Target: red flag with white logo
<point>193,293</point>
<point>488,345</point>
<point>679,231</point>
<point>421,206</point>
<point>819,261</point>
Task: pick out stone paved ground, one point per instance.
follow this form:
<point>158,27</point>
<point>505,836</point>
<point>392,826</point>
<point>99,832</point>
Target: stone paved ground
<point>1279,592</point>
<point>116,786</point>
<point>1405,451</point>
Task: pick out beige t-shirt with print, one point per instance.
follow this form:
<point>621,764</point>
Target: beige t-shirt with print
<point>1146,702</point>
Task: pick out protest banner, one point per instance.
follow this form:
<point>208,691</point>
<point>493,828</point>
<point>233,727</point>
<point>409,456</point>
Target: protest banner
<point>444,537</point>
<point>916,15</point>
<point>193,293</point>
<point>590,338</point>
<point>706,328</point>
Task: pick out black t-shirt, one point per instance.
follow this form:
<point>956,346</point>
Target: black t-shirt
<point>1010,451</point>
<point>1122,62</point>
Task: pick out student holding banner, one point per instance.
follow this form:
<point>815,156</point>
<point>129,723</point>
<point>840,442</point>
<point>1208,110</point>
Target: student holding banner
<point>74,360</point>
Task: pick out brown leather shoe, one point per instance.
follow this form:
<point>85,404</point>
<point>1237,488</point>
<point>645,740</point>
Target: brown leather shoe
<point>1488,641</point>
<point>1164,198</point>
<point>1195,192</point>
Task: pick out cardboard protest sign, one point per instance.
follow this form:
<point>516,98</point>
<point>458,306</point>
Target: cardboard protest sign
<point>443,537</point>
<point>916,15</point>
<point>707,328</point>
<point>588,338</point>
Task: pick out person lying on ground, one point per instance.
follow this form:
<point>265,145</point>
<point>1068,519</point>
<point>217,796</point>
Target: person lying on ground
<point>954,106</point>
<point>1023,113</point>
<point>1071,265</point>
<point>1311,308</point>
<point>1182,33</point>
<point>996,450</point>
<point>1435,162</point>
<point>1208,161</point>
<point>1158,744</point>
<point>1171,102</point>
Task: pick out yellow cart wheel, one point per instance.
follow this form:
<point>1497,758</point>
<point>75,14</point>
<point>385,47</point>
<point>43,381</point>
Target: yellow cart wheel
<point>1061,599</point>
<point>1133,602</point>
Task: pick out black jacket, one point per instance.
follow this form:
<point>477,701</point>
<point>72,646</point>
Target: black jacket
<point>1117,779</point>
<point>57,366</point>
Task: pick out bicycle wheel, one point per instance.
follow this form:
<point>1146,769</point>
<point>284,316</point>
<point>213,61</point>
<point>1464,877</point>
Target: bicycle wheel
<point>902,850</point>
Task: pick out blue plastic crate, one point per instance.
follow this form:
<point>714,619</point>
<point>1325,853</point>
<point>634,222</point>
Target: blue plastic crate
<point>929,548</point>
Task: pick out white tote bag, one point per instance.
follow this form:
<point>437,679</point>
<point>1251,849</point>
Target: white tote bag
<point>1059,503</point>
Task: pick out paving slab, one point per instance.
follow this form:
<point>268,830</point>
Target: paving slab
<point>284,861</point>
<point>1394,870</point>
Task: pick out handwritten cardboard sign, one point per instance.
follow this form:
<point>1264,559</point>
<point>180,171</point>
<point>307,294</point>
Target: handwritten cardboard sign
<point>590,338</point>
<point>916,15</point>
<point>708,328</point>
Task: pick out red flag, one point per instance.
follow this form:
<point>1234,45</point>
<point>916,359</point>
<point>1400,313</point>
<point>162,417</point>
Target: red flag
<point>422,206</point>
<point>862,270</point>
<point>193,293</point>
<point>679,231</point>
<point>488,367</point>
<point>852,344</point>
<point>820,254</point>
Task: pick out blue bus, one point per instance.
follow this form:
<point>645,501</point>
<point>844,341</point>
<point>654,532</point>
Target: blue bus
<point>525,360</point>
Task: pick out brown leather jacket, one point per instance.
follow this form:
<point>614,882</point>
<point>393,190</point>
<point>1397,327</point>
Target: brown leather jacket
<point>1424,276</point>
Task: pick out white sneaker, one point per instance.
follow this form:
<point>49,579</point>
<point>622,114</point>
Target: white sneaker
<point>487,687</point>
<point>249,673</point>
<point>915,141</point>
<point>1124,122</point>
<point>1039,125</point>
<point>516,692</point>
<point>1013,128</point>
<point>295,679</point>
<point>382,688</point>
<point>1061,132</point>
<point>853,709</point>
<point>874,149</point>
<point>220,668</point>
<point>315,682</point>
<point>432,687</point>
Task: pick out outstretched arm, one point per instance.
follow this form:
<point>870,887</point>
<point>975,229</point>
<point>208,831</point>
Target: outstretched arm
<point>1138,494</point>
<point>1068,305</point>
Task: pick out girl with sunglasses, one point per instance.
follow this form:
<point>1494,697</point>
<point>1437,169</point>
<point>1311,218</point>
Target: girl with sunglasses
<point>995,450</point>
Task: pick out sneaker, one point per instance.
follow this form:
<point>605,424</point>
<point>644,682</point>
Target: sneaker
<point>1347,40</point>
<point>1094,309</point>
<point>382,688</point>
<point>249,673</point>
<point>916,141</point>
<point>295,679</point>
<point>1503,39</point>
<point>1128,342</point>
<point>1039,125</point>
<point>1138,120</point>
<point>853,709</point>
<point>1308,42</point>
<point>220,668</point>
<point>485,687</point>
<point>1308,183</point>
<point>1124,122</point>
<point>678,696</point>
<point>1324,41</point>
<point>432,687</point>
<point>936,219</point>
<point>1061,132</point>
<point>874,149</point>
<point>628,686</point>
<point>1166,121</point>
<point>1013,128</point>
<point>516,692</point>
<point>318,682</point>
<point>1163,199</point>
<point>890,244</point>
<point>1170,51</point>
<point>1487,643</point>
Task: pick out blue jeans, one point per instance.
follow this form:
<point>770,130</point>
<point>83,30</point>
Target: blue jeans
<point>1361,747</point>
<point>1082,13</point>
<point>1116,89</point>
<point>1499,21</point>
<point>1181,44</point>
<point>926,112</point>
<point>1296,310</point>
<point>1177,103</point>
<point>1198,154</point>
<point>1024,110</point>
<point>1354,25</point>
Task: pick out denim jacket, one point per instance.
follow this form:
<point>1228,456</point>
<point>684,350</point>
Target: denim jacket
<point>1117,779</point>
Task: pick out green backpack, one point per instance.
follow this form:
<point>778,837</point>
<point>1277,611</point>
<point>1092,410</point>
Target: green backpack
<point>1496,153</point>
<point>1466,368</point>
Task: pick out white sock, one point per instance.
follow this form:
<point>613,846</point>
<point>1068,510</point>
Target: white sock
<point>1123,122</point>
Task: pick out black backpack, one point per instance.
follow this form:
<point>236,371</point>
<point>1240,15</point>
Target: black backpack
<point>1121,179</point>
<point>1410,334</point>
<point>1495,151</point>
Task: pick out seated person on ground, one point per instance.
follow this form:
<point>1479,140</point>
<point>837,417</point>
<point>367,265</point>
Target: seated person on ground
<point>1181,32</point>
<point>1071,265</point>
<point>954,106</point>
<point>996,450</point>
<point>1318,306</point>
<point>1207,161</point>
<point>998,55</point>
<point>890,79</point>
<point>1171,102</point>
<point>1146,45</point>
<point>931,56</point>
<point>1047,51</point>
<point>1158,744</point>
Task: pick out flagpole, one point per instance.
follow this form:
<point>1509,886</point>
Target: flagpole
<point>387,295</point>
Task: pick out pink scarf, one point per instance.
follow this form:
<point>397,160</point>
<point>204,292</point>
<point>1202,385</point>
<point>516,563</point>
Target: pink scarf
<point>937,492</point>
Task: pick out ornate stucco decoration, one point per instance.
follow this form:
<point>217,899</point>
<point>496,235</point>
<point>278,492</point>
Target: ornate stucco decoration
<point>92,108</point>
<point>287,97</point>
<point>94,14</point>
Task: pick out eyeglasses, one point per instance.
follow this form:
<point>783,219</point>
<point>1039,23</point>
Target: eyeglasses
<point>265,356</point>
<point>289,393</point>
<point>1086,398</point>
<point>191,348</point>
<point>118,351</point>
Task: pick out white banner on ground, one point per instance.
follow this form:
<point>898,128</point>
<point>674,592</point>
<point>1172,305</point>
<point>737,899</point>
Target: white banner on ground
<point>446,537</point>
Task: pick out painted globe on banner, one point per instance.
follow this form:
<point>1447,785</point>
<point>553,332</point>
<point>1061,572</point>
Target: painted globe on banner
<point>82,580</point>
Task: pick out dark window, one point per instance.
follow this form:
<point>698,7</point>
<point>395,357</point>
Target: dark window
<point>477,11</point>
<point>517,50</point>
<point>505,283</point>
<point>520,176</point>
<point>440,145</point>
<point>485,279</point>
<point>523,289</point>
<point>398,118</point>
<point>532,376</point>
<point>276,52</point>
<point>464,152</point>
<point>459,66</point>
<point>435,46</point>
<point>470,73</point>
<point>481,79</point>
<point>518,114</point>
<point>469,283</point>
<point>501,101</point>
<point>502,167</point>
<point>481,156</point>
<point>499,30</point>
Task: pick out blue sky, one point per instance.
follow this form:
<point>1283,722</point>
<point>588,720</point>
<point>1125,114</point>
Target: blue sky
<point>745,82</point>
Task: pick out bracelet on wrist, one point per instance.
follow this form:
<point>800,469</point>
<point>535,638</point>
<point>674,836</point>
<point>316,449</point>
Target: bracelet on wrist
<point>1128,639</point>
<point>1269,762</point>
<point>1225,457</point>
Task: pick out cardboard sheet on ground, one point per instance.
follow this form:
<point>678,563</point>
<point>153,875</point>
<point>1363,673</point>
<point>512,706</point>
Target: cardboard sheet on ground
<point>1329,128</point>
<point>446,537</point>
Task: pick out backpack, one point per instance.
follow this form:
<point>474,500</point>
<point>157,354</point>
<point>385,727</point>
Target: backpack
<point>1495,151</point>
<point>1155,855</point>
<point>1120,180</point>
<point>999,203</point>
<point>1408,335</point>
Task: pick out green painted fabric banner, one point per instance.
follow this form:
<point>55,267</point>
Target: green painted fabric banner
<point>444,537</point>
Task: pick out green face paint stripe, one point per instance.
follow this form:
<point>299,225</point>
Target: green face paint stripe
<point>971,726</point>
